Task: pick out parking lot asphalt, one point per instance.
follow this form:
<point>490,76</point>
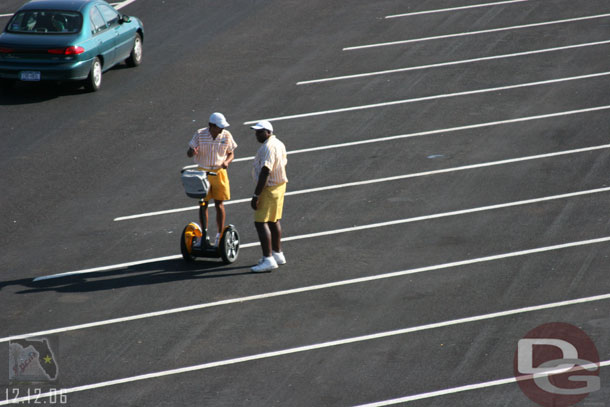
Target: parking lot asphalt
<point>435,214</point>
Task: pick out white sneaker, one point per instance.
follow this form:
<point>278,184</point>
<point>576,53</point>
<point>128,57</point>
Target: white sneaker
<point>216,240</point>
<point>279,257</point>
<point>266,264</point>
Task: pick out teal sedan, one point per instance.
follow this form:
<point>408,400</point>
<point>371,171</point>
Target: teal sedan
<point>68,40</point>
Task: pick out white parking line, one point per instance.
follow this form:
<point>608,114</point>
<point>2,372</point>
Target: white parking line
<point>379,180</point>
<point>432,132</point>
<point>435,97</point>
<point>455,8</point>
<point>318,346</point>
<point>471,387</point>
<point>348,230</point>
<point>452,63</point>
<point>492,30</point>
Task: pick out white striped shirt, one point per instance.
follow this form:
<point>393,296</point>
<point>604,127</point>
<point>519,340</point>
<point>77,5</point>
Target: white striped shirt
<point>272,154</point>
<point>212,152</point>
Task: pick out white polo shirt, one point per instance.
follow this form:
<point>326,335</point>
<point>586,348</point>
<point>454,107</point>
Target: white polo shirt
<point>212,152</point>
<point>272,154</point>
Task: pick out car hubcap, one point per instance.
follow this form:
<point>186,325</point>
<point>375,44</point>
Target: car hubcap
<point>97,73</point>
<point>137,50</point>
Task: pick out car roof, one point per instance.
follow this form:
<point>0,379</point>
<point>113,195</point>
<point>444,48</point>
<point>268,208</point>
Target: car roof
<point>75,5</point>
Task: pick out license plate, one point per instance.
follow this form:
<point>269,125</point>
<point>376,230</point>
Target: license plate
<point>29,76</point>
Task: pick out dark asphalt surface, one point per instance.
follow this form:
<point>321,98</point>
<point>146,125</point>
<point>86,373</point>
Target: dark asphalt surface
<point>72,162</point>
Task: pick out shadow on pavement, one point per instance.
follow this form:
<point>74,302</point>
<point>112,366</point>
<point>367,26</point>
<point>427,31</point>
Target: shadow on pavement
<point>141,275</point>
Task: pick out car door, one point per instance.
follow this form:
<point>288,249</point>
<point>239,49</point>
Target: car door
<point>104,38</point>
<point>124,33</point>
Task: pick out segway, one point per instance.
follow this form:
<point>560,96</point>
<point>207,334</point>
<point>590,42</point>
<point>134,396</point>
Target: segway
<point>195,241</point>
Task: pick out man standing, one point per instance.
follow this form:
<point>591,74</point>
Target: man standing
<point>213,148</point>
<point>269,173</point>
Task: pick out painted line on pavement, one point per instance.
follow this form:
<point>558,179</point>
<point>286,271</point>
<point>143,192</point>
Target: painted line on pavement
<point>452,63</point>
<point>455,8</point>
<point>346,230</point>
<point>379,180</point>
<point>434,97</point>
<point>310,288</point>
<point>313,347</point>
<point>492,30</point>
<point>477,386</point>
<point>432,132</point>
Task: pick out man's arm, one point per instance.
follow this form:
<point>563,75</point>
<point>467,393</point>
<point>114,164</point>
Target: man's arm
<point>192,151</point>
<point>228,160</point>
<point>262,181</point>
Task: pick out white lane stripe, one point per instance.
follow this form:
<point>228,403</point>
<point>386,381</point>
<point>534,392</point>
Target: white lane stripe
<point>470,387</point>
<point>452,63</point>
<point>5,15</point>
<point>318,346</point>
<point>124,4</point>
<point>311,288</point>
<point>385,179</point>
<point>446,214</point>
<point>435,97</point>
<point>492,30</point>
<point>455,8</point>
<point>348,230</point>
<point>431,132</point>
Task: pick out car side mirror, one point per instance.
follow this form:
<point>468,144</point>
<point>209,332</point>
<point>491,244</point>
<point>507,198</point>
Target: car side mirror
<point>124,19</point>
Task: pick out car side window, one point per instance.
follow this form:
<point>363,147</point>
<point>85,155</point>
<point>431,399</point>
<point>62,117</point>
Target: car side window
<point>110,15</point>
<point>97,21</point>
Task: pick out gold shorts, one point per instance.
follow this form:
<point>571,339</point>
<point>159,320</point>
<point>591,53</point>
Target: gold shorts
<point>220,189</point>
<point>270,204</point>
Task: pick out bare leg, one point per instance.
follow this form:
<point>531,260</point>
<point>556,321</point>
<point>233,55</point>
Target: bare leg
<point>220,215</point>
<point>264,236</point>
<point>276,235</point>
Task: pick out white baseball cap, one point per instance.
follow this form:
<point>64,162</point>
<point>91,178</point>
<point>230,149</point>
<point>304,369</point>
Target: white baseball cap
<point>218,119</point>
<point>263,125</point>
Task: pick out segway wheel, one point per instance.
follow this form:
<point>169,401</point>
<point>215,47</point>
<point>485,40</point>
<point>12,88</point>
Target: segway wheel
<point>229,245</point>
<point>190,231</point>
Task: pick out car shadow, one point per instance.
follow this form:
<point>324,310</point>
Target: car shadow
<point>24,93</point>
<point>133,276</point>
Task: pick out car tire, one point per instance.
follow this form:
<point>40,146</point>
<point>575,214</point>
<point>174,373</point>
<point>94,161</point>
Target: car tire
<point>7,84</point>
<point>135,58</point>
<point>94,80</point>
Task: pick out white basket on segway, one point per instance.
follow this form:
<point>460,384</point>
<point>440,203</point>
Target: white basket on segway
<point>196,184</point>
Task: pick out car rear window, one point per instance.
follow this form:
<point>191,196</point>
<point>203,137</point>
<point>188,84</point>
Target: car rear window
<point>46,22</point>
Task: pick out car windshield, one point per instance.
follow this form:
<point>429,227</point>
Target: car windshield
<point>46,22</point>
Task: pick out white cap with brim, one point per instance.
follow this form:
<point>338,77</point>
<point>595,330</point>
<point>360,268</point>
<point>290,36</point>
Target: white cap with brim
<point>263,125</point>
<point>218,119</point>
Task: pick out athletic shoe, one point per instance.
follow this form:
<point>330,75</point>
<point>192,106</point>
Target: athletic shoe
<point>279,257</point>
<point>266,264</point>
<point>216,240</point>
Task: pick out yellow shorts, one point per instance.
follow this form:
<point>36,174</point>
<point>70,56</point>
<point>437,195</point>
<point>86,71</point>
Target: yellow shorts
<point>219,185</point>
<point>270,204</point>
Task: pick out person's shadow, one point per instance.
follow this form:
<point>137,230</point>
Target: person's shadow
<point>145,274</point>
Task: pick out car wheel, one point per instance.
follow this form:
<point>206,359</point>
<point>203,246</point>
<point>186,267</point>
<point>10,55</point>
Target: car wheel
<point>135,58</point>
<point>94,80</point>
<point>6,84</point>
